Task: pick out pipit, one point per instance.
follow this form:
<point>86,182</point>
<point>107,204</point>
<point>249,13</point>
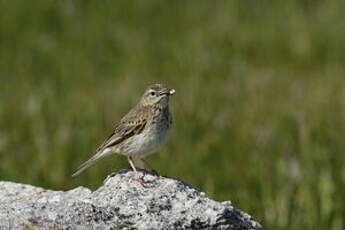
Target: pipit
<point>139,133</point>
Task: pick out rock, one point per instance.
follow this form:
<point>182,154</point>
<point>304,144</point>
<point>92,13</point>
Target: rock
<point>122,202</point>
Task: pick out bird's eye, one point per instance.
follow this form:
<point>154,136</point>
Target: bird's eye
<point>152,93</point>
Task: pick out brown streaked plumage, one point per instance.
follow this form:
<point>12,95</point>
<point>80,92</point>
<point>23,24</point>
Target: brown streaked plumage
<point>141,132</point>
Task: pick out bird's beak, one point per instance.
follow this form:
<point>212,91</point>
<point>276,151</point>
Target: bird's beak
<point>172,92</point>
<point>168,92</point>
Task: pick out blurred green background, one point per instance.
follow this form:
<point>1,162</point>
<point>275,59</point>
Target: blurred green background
<point>259,114</point>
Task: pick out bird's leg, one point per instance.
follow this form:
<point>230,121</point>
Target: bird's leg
<point>143,164</point>
<point>140,163</point>
<point>132,165</point>
<point>139,179</point>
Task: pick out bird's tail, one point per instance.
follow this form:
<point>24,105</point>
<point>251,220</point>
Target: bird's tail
<point>90,162</point>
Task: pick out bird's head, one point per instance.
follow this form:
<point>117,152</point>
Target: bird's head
<point>157,94</point>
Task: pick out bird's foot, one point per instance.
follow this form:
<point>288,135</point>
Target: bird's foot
<point>141,179</point>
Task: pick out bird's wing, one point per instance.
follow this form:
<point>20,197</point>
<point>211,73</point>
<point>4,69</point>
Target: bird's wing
<point>123,131</point>
<point>131,124</point>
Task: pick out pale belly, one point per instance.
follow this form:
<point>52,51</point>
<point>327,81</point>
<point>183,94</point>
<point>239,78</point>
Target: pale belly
<point>143,144</point>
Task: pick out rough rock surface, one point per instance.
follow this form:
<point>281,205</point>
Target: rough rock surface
<point>121,203</point>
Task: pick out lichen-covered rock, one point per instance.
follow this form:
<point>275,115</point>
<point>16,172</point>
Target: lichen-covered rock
<point>121,203</point>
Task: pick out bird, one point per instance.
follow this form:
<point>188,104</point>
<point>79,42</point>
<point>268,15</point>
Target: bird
<point>141,132</point>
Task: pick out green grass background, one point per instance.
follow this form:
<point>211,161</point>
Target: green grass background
<point>259,110</point>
